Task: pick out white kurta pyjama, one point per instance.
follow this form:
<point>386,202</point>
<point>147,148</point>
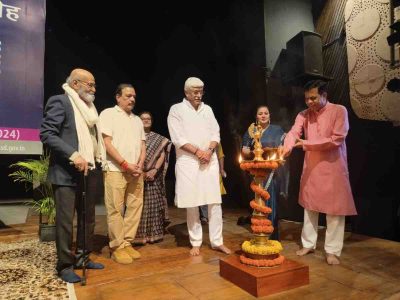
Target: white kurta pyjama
<point>196,184</point>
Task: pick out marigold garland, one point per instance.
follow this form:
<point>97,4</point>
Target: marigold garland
<point>260,222</point>
<point>259,165</point>
<point>262,229</point>
<point>259,190</point>
<point>260,208</point>
<point>272,247</point>
<point>269,251</point>
<point>262,262</point>
<point>274,165</point>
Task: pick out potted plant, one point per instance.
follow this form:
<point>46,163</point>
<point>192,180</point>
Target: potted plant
<point>33,173</point>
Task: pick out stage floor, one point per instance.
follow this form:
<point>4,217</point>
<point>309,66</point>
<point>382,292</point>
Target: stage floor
<point>369,269</point>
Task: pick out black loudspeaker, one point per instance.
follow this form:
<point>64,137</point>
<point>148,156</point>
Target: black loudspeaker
<point>304,56</point>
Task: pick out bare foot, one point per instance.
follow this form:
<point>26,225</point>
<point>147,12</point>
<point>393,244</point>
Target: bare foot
<point>304,251</point>
<point>331,259</point>
<point>223,249</point>
<point>195,251</point>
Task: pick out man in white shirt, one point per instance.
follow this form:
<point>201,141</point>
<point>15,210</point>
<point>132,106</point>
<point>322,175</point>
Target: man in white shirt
<point>124,139</point>
<point>195,134</point>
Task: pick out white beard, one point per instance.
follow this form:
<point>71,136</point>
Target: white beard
<point>87,97</point>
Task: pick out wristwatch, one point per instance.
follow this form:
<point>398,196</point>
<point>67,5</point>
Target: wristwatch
<point>211,149</point>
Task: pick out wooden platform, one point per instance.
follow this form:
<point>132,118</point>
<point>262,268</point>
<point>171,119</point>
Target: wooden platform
<point>369,269</point>
<point>264,281</point>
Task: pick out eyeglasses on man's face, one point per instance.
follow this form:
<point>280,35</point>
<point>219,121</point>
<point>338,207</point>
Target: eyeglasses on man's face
<point>197,92</point>
<point>91,85</point>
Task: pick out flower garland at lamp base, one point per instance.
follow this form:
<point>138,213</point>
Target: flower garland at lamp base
<point>271,248</point>
<point>262,262</point>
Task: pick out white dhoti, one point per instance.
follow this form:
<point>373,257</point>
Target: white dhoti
<point>334,232</point>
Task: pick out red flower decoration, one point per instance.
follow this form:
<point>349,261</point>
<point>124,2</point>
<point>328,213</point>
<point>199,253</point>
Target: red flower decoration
<point>260,208</point>
<point>259,190</point>
<point>262,262</point>
<point>260,222</point>
<point>262,228</point>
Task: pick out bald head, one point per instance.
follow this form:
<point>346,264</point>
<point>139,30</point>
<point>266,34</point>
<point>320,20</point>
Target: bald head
<point>81,74</point>
<point>82,81</point>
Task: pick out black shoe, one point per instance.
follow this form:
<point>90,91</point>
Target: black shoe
<point>68,275</point>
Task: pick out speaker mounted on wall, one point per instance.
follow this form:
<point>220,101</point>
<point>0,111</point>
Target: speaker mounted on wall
<point>304,58</point>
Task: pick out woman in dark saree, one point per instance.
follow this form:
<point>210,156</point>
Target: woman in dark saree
<point>155,208</point>
<point>272,136</point>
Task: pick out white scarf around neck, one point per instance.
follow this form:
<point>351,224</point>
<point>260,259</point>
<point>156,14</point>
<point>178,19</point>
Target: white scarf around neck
<point>86,117</point>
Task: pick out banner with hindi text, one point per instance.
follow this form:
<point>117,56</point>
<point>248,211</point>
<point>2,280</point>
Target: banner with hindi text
<point>22,29</point>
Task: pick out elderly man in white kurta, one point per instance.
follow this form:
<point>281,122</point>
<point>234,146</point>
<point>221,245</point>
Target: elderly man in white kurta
<point>195,134</point>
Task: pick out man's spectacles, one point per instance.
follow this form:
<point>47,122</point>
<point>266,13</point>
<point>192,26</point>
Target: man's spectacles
<point>88,84</point>
<point>200,93</point>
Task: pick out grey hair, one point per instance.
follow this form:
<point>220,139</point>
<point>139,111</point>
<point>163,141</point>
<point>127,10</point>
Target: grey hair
<point>193,82</point>
<point>69,80</point>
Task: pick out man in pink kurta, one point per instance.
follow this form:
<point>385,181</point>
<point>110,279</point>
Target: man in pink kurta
<point>324,185</point>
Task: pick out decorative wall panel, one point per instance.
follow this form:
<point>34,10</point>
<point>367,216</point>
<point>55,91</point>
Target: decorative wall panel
<point>367,26</point>
<point>351,57</point>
